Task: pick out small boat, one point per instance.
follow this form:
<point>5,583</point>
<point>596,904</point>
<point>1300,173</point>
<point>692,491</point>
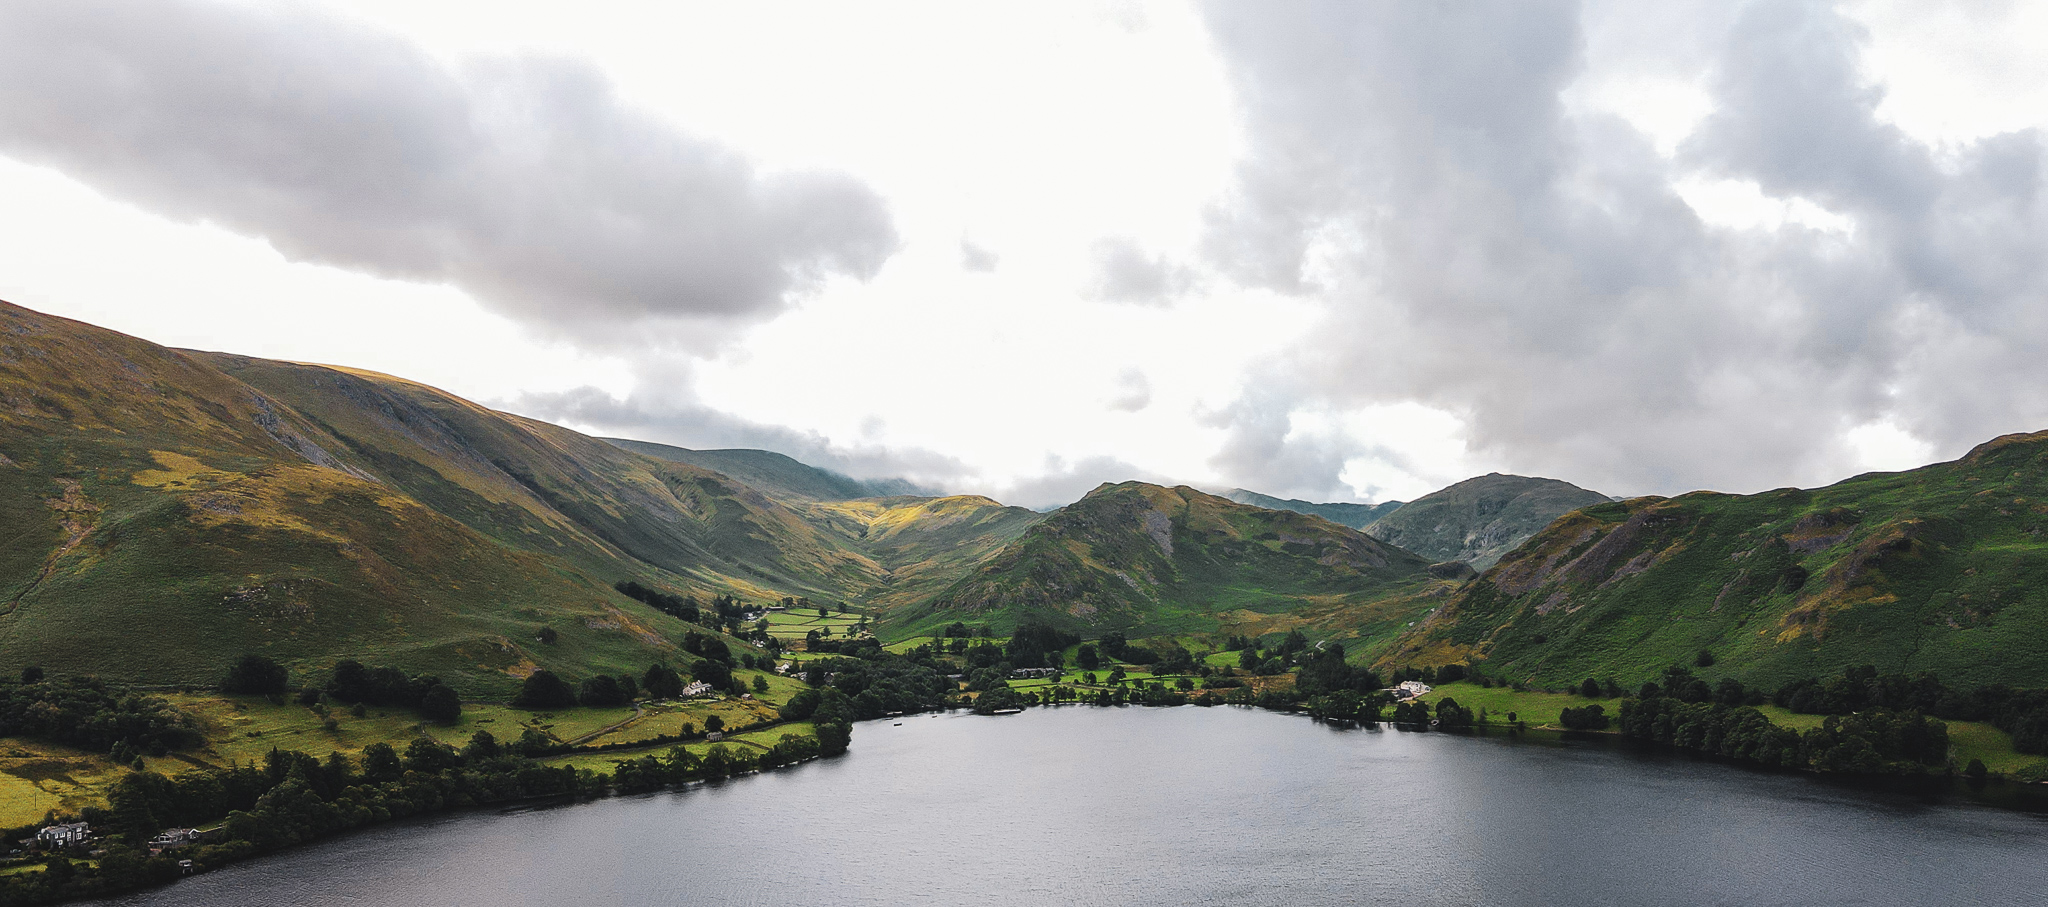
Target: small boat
<point>897,724</point>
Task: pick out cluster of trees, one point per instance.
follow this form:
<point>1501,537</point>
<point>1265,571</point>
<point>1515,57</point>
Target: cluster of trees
<point>1283,656</point>
<point>2021,713</point>
<point>87,713</point>
<point>1346,705</point>
<point>852,647</point>
<point>353,682</point>
<point>680,766</point>
<point>1584,718</point>
<point>1437,675</point>
<point>255,675</point>
<point>544,689</point>
<point>879,682</point>
<point>1450,716</point>
<point>1038,645</point>
<point>1324,670</point>
<point>725,610</point>
<point>1873,742</point>
<point>683,607</point>
<point>1118,647</point>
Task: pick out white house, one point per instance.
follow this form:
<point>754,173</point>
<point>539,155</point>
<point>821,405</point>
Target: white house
<point>68,835</point>
<point>1409,689</point>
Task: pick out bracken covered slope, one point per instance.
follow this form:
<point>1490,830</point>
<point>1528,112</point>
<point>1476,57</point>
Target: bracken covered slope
<point>1941,569</point>
<point>162,512</point>
<point>1149,560</point>
<point>1480,519</point>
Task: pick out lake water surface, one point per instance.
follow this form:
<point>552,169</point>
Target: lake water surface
<point>1222,806</point>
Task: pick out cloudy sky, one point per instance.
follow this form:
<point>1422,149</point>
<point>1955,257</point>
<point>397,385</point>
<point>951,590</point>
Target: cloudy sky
<point>1341,251</point>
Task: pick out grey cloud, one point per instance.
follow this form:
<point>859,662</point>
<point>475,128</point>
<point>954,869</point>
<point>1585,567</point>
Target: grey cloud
<point>1063,482</point>
<point>1262,451</point>
<point>1133,392</point>
<point>976,258</point>
<point>524,180</point>
<point>1125,272</point>
<point>685,422</point>
<point>1481,249</point>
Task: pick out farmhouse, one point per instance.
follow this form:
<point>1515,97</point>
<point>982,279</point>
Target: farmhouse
<point>71,834</point>
<point>698,688</point>
<point>1409,689</point>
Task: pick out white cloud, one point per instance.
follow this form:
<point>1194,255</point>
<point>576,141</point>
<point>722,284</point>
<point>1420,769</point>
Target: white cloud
<point>1642,251</point>
<point>1742,205</point>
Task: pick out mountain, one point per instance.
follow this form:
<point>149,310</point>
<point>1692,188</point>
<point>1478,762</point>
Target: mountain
<point>1478,520</point>
<point>165,511</point>
<point>923,545</point>
<point>1356,516</point>
<point>775,475</point>
<point>1941,569</point>
<point>1149,560</point>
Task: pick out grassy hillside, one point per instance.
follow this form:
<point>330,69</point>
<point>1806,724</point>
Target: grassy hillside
<point>1479,520</point>
<point>923,545</point>
<point>1356,516</point>
<point>1149,560</point>
<point>1940,569</point>
<point>539,486</point>
<point>775,475</point>
<point>162,512</point>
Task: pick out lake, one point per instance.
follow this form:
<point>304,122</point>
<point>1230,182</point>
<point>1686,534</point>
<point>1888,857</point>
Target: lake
<point>1224,806</point>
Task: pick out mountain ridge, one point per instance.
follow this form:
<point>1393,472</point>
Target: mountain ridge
<point>1140,558</point>
<point>1936,569</point>
<point>1356,516</point>
<point>1482,518</point>
<point>778,475</point>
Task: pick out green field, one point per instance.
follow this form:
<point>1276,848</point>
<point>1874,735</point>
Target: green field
<point>792,625</point>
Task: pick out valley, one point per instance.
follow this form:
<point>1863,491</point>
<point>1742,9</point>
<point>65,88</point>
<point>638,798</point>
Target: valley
<point>603,615</point>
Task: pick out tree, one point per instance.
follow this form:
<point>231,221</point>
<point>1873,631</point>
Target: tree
<point>714,724</point>
<point>1590,689</point>
<point>802,705</point>
<point>425,754</point>
<point>760,683</point>
<point>482,746</point>
<point>1086,658</point>
<point>547,635</point>
<point>718,675</point>
<point>380,762</point>
<point>600,691</point>
<point>1452,716</point>
<point>1703,660</point>
<point>441,704</point>
<point>543,690</point>
<point>32,674</point>
<point>256,675</point>
<point>662,682</point>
